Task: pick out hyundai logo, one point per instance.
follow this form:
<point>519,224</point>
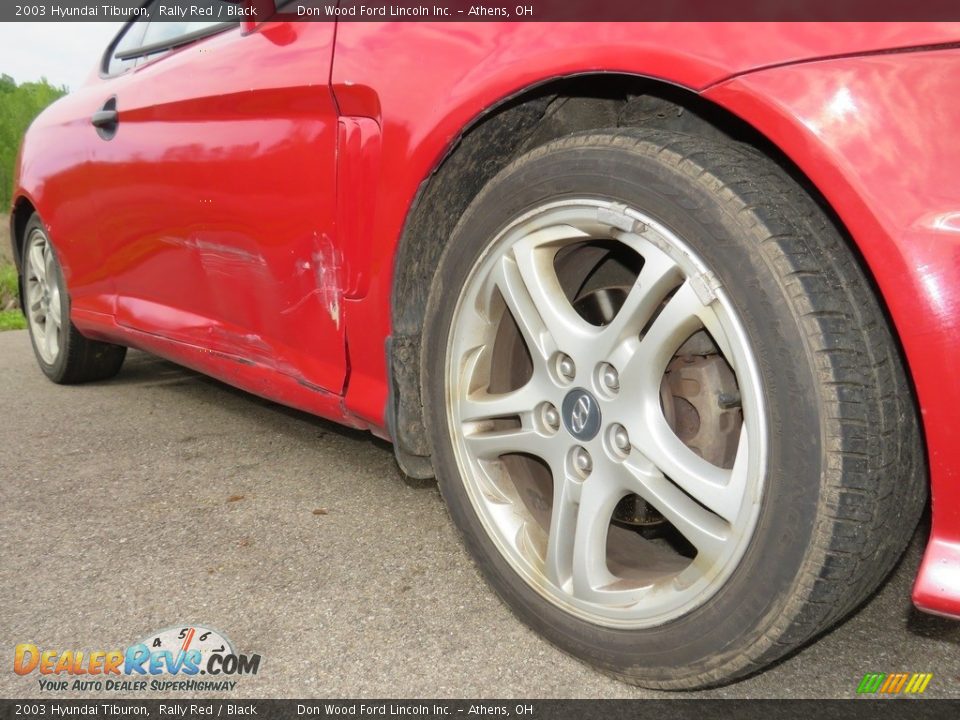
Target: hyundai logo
<point>581,414</point>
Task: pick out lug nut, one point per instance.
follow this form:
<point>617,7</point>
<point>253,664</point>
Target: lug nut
<point>621,440</point>
<point>551,417</point>
<point>610,378</point>
<point>566,367</point>
<point>582,461</point>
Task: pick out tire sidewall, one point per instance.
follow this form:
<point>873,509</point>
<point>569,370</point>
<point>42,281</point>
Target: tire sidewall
<point>769,579</point>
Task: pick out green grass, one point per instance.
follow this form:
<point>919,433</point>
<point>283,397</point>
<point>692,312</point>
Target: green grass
<point>8,281</point>
<point>11,319</point>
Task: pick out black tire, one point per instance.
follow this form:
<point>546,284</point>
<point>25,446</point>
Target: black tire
<point>79,359</point>
<point>845,483</point>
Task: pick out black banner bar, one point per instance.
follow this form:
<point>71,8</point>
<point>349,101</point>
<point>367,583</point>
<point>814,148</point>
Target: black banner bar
<point>107,709</point>
<point>483,11</point>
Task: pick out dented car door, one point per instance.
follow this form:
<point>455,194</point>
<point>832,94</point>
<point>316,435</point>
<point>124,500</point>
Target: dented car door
<point>218,192</point>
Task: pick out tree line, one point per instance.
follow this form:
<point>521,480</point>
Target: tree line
<point>19,105</point>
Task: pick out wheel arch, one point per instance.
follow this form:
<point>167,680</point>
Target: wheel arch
<point>23,209</point>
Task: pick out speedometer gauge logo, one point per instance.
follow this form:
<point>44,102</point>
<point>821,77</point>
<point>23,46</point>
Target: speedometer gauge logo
<point>183,639</point>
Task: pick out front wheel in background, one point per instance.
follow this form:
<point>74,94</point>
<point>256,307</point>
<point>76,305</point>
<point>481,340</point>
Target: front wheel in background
<point>64,355</point>
<point>666,411</point>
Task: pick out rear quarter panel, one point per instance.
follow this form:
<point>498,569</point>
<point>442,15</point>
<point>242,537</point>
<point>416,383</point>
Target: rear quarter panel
<point>876,136</point>
<point>424,84</point>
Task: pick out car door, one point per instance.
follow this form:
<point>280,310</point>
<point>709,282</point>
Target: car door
<point>216,181</point>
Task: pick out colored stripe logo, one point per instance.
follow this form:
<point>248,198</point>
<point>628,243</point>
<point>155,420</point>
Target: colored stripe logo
<point>894,683</point>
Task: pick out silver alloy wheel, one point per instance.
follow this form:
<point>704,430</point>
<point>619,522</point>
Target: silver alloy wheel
<point>551,438</point>
<point>42,291</point>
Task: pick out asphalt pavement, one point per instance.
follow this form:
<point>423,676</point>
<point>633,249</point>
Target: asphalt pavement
<point>163,498</point>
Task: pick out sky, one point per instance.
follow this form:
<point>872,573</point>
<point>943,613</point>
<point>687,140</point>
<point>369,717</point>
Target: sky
<point>65,53</point>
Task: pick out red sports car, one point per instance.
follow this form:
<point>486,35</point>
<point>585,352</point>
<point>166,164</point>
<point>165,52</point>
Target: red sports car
<point>667,309</point>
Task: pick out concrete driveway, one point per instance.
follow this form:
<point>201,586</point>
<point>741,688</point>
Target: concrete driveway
<point>164,498</point>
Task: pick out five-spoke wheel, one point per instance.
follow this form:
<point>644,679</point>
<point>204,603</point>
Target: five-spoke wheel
<point>554,405</point>
<point>63,353</point>
<point>42,295</point>
<point>664,408</point>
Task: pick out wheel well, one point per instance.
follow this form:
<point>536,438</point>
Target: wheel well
<point>490,143</point>
<point>22,211</point>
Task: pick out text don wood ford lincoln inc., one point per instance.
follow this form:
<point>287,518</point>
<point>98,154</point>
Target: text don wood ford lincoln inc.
<point>187,658</point>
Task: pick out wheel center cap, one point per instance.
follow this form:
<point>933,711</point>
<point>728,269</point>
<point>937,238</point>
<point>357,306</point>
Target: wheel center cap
<point>581,414</point>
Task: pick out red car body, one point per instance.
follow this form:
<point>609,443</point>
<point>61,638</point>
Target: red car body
<point>245,219</point>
